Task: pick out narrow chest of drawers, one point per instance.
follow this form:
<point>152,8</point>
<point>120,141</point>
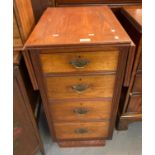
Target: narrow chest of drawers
<point>79,55</point>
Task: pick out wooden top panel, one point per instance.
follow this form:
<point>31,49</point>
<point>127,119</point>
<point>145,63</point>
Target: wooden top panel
<point>76,26</point>
<point>134,14</point>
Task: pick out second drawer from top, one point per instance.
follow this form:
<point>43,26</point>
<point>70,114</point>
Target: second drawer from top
<point>94,86</point>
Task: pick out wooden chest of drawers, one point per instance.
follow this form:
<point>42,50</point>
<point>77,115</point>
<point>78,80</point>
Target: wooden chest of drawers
<point>79,55</point>
<point>131,19</point>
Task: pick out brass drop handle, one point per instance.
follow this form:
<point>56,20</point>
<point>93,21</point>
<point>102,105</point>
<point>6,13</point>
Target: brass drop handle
<point>81,131</point>
<point>80,88</point>
<point>79,63</point>
<point>80,111</point>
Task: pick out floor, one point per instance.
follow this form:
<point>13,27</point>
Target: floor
<point>123,143</point>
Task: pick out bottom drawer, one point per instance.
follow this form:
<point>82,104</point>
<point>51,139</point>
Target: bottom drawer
<point>81,130</point>
<point>135,104</point>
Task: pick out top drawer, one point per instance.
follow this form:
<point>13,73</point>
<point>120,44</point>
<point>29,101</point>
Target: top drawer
<point>79,61</point>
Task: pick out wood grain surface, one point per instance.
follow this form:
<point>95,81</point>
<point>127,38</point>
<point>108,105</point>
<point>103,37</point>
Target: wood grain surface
<point>97,61</point>
<point>77,25</point>
<point>96,86</point>
<point>17,41</point>
<point>81,110</point>
<point>70,130</point>
<point>25,17</point>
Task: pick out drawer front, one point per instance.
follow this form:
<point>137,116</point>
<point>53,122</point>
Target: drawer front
<point>135,104</point>
<point>79,61</point>
<point>80,87</point>
<point>81,111</point>
<point>137,87</point>
<point>81,130</point>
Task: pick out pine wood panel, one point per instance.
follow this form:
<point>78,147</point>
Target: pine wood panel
<point>97,61</point>
<point>81,111</point>
<point>71,130</point>
<point>97,86</point>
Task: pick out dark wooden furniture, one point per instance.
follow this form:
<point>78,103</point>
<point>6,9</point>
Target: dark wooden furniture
<point>23,23</point>
<point>92,2</point>
<point>26,140</point>
<point>39,7</point>
<point>131,104</point>
<point>79,55</point>
<point>25,132</point>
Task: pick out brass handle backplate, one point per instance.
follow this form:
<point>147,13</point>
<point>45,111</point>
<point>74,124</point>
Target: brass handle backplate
<point>79,63</point>
<point>80,111</point>
<point>80,88</point>
<point>81,131</point>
